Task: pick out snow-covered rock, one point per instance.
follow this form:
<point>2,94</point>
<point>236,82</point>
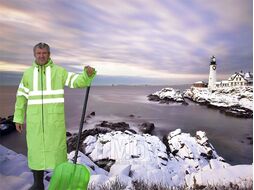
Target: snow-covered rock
<point>167,95</point>
<point>183,160</point>
<point>97,180</point>
<point>240,175</point>
<point>194,153</point>
<point>83,159</point>
<point>120,169</point>
<point>233,101</point>
<point>145,157</point>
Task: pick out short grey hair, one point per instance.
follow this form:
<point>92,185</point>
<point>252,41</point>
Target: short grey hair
<point>42,45</point>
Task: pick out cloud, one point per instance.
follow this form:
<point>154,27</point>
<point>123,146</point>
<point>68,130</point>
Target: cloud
<point>12,67</point>
<point>155,38</point>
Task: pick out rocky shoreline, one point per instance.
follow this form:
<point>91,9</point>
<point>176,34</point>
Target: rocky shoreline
<point>167,95</point>
<point>115,151</point>
<point>235,102</point>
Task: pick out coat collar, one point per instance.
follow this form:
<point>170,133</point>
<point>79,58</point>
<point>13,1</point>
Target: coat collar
<point>49,63</point>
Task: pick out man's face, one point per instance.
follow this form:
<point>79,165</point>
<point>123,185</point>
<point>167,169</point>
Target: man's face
<point>41,56</point>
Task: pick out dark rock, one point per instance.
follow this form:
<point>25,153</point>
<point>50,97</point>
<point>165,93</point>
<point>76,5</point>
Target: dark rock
<point>72,141</point>
<point>10,117</point>
<point>47,178</point>
<point>174,152</point>
<point>131,115</point>
<point>163,158</point>
<point>250,140</point>
<point>7,125</point>
<point>165,142</point>
<point>105,164</point>
<point>239,112</point>
<point>135,156</point>
<point>119,126</point>
<point>68,134</point>
<point>208,156</point>
<point>185,103</point>
<point>104,124</point>
<point>147,127</point>
<point>153,98</point>
<point>167,100</point>
<point>92,167</point>
<point>122,126</point>
<point>188,157</point>
<point>234,111</point>
<point>92,113</point>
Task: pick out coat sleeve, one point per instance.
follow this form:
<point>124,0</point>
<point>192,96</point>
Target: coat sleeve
<point>21,102</point>
<point>74,80</point>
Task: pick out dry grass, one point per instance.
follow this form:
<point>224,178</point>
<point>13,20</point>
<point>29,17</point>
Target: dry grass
<point>142,185</point>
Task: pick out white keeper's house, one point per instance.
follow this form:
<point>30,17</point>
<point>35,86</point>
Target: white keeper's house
<point>237,79</point>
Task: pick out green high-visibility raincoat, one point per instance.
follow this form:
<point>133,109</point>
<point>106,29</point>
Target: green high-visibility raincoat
<point>40,97</point>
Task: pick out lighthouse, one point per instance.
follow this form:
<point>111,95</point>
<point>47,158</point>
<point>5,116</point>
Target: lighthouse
<point>212,74</point>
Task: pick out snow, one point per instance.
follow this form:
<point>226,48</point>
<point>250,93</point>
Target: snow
<point>98,179</point>
<point>226,97</point>
<point>14,172</point>
<point>199,82</point>
<point>122,169</point>
<point>146,158</point>
<point>83,159</point>
<point>169,93</point>
<point>240,175</point>
<point>221,97</point>
<point>191,160</point>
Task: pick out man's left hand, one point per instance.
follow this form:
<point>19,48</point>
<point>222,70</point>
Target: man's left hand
<point>89,70</point>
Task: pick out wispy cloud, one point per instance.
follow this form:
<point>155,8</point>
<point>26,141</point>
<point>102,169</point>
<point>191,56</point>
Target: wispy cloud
<point>159,39</point>
<point>9,67</point>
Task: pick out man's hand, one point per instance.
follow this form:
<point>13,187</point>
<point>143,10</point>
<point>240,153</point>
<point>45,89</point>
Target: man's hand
<point>19,127</point>
<point>89,70</point>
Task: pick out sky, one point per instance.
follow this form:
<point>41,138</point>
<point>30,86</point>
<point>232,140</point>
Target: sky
<point>129,41</point>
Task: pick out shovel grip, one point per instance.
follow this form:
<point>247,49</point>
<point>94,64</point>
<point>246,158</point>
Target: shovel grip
<point>81,124</point>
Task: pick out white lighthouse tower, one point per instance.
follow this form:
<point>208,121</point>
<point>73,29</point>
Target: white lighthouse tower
<point>212,74</point>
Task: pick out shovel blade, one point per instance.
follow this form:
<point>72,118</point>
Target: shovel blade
<point>69,176</point>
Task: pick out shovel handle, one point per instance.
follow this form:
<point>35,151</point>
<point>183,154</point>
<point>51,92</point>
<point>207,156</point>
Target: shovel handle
<point>81,124</point>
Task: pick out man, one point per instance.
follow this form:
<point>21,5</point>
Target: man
<point>41,96</point>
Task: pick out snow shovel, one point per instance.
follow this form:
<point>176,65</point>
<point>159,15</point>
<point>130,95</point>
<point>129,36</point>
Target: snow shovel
<point>72,176</point>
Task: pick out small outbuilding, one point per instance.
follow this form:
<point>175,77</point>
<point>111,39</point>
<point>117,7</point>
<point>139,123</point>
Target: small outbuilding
<point>200,84</point>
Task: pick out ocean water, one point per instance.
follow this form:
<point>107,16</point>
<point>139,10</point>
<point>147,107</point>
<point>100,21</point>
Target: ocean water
<point>227,134</point>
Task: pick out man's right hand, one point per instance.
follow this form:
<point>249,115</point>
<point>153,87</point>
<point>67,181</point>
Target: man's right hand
<point>19,127</point>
